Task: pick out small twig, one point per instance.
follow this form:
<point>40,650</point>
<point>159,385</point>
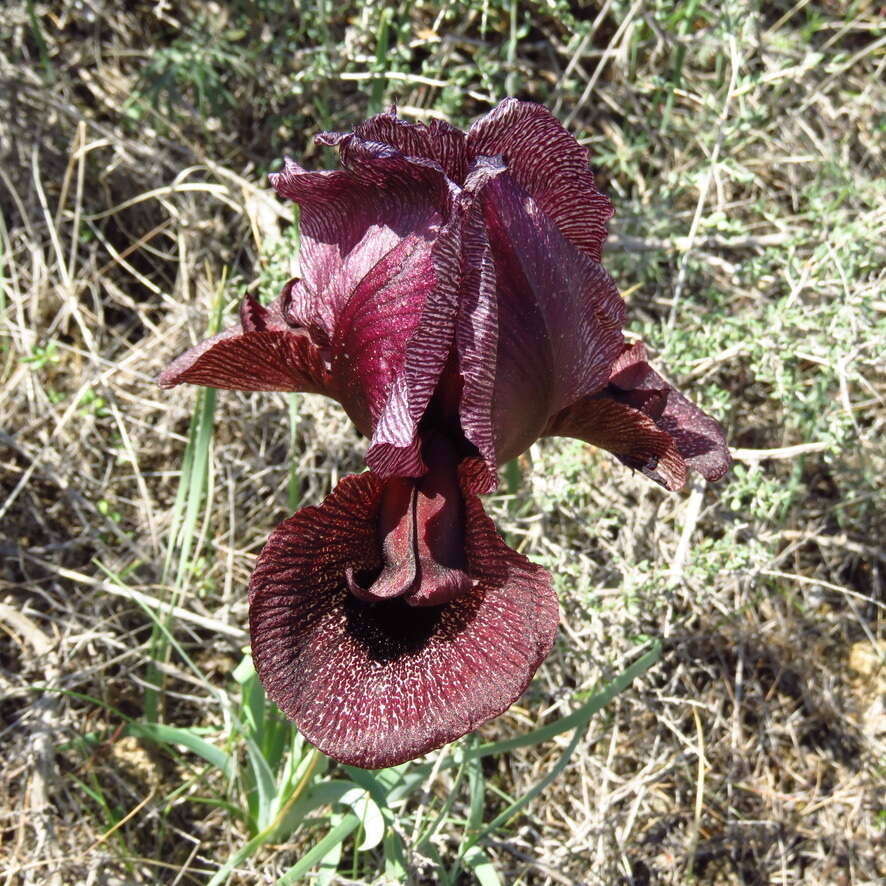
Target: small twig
<point>755,455</point>
<point>406,77</point>
<point>44,770</point>
<point>604,805</point>
<point>699,796</point>
<point>592,82</point>
<point>836,541</point>
<point>706,183</point>
<point>841,69</point>
<point>683,244</point>
<point>693,511</point>
<point>576,56</point>
<point>19,624</point>
<point>180,187</point>
<point>202,621</point>
<point>132,812</point>
<point>806,580</point>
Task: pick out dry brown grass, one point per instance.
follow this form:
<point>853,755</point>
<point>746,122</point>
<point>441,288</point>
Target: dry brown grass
<point>754,752</point>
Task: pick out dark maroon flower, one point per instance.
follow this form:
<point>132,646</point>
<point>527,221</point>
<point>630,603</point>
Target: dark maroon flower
<point>453,301</point>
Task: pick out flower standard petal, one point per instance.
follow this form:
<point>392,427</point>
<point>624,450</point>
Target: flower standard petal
<point>375,684</point>
<point>349,219</point>
<point>437,141</point>
<point>358,224</point>
<point>551,327</point>
<point>395,445</point>
<point>375,325</point>
<point>548,163</point>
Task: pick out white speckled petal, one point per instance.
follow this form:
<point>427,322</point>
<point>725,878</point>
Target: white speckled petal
<point>374,685</point>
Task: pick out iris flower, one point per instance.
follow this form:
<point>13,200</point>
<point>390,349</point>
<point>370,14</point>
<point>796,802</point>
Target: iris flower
<point>453,301</point>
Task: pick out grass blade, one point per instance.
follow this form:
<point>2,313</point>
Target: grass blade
<point>578,717</point>
<point>317,853</point>
<point>162,734</point>
<point>481,866</point>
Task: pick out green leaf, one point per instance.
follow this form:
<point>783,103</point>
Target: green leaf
<point>173,735</point>
<point>328,867</point>
<point>370,817</point>
<point>478,861</point>
<point>533,792</point>
<point>263,780</point>
<point>317,853</point>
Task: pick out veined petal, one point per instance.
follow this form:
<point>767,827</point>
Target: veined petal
<point>376,684</point>
<point>374,243</point>
<point>261,353</point>
<point>437,141</point>
<point>548,163</point>
<point>349,220</point>
<point>700,439</point>
<point>627,433</point>
<point>375,325</point>
<point>556,318</point>
<point>477,326</point>
<point>395,446</point>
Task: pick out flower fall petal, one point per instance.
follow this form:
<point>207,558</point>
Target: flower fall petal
<point>375,684</point>
<point>261,353</point>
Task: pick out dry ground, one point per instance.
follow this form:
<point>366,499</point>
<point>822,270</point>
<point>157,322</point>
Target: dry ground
<point>745,155</point>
